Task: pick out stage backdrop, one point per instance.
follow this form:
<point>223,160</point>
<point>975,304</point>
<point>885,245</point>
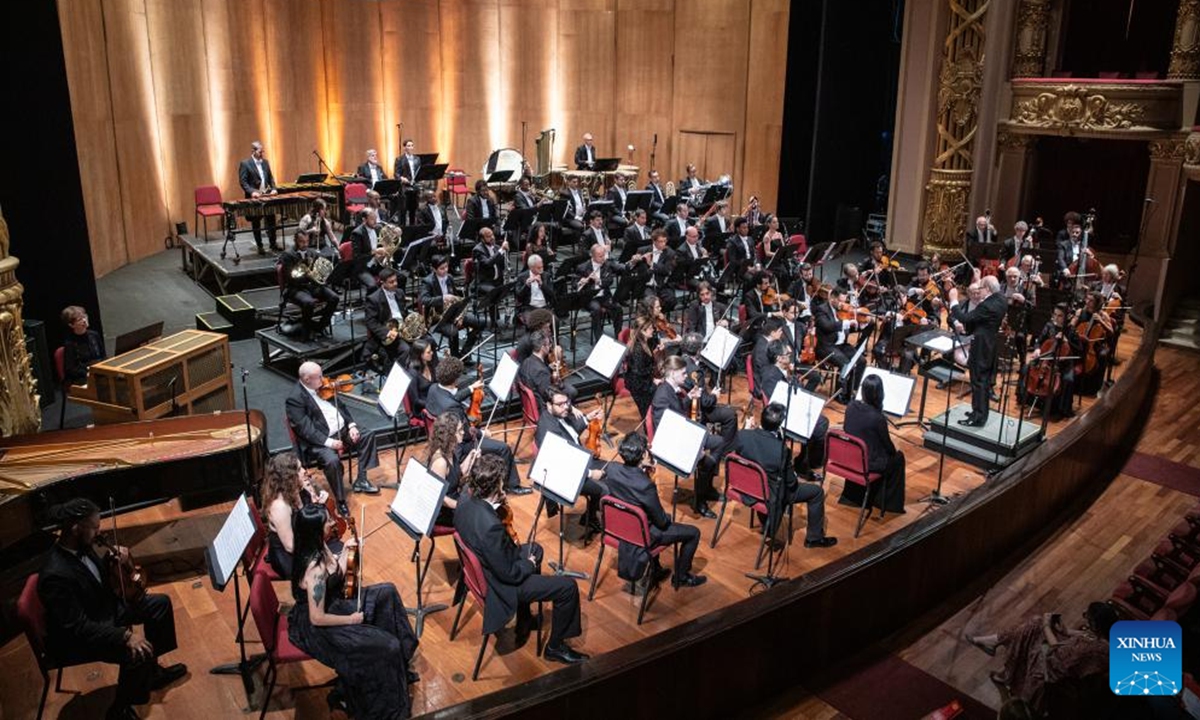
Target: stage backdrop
<point>168,94</point>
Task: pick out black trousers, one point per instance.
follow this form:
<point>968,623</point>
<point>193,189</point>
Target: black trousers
<point>813,497</point>
<point>602,308</point>
<point>308,297</point>
<point>571,230</point>
<point>981,388</point>
<point>688,537</point>
<point>331,464</point>
<point>562,592</point>
<point>888,493</point>
<point>473,324</point>
<point>256,226</point>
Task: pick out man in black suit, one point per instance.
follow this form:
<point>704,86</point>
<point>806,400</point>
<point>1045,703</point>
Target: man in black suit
<point>596,276</point>
<point>765,446</point>
<point>512,572</point>
<point>585,154</point>
<point>696,261</point>
<point>637,234</point>
<point>535,290</point>
<point>743,255</point>
<point>628,482</point>
<point>439,291</point>
<point>445,397</point>
<point>678,224</point>
<point>371,170</point>
<point>1021,241</point>
<point>363,240</point>
<point>254,174</point>
<point>525,198</point>
<point>572,223</point>
<point>832,341</point>
<point>406,169</point>
<point>983,232</point>
<point>667,396</point>
<point>560,418</point>
<point>770,331</point>
<point>754,298</point>
<point>658,197</point>
<point>711,412</point>
<point>1069,245</point>
<point>490,263</point>
<point>300,289</point>
<point>690,181</point>
<point>535,373</point>
<point>594,233</point>
<point>86,621</point>
<point>704,316</point>
<point>433,215</point>
<point>982,322</point>
<point>323,429</point>
<point>481,205</point>
<point>384,312</point>
<point>719,223</point>
<point>616,194</point>
<point>660,264</point>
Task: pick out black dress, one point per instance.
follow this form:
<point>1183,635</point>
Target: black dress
<point>639,378</point>
<point>453,481</point>
<point>371,659</point>
<point>278,557</point>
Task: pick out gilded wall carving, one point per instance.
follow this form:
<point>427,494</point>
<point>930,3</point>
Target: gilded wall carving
<point>1185,50</point>
<point>1172,149</point>
<point>1191,149</point>
<point>1029,58</point>
<point>1014,141</point>
<point>19,410</point>
<point>946,213</point>
<point>1077,107</point>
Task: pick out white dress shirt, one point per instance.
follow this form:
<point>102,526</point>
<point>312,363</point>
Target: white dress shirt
<point>333,418</point>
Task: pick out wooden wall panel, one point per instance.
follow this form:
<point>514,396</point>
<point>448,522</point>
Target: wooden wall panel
<point>86,60</point>
<point>169,94</point>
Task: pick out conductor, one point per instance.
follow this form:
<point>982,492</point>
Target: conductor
<point>982,322</point>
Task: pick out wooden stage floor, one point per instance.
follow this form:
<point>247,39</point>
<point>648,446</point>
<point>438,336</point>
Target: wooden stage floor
<point>206,622</point>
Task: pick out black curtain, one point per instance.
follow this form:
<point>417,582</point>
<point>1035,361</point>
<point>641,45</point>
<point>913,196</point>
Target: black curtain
<point>40,190</point>
<point>1123,36</point>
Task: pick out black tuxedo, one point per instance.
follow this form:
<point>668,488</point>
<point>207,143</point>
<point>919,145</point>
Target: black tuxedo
<point>475,205</point>
<point>742,257</point>
<point>658,198</point>
<point>767,449</point>
<point>630,484</point>
<point>756,310</point>
<point>489,264</point>
<point>602,306</point>
<point>712,226</point>
<point>696,319</point>
<point>676,231</point>
<point>525,291</point>
<point>426,215</point>
<point>378,313</point>
<point>974,236</point>
<point>364,172</point>
<point>402,170</point>
<point>982,323</point>
<point>1067,251</point>
<point>251,180</point>
<point>305,292</point>
<point>572,223</point>
<point>363,247</point>
<point>591,489</point>
<point>512,578</point>
<point>659,280</point>
<point>582,161</point>
<point>1014,247</point>
<point>869,425</point>
<point>431,298</point>
<point>635,236</point>
<point>85,622</point>
<point>839,354</point>
<point>524,200</point>
<point>311,431</point>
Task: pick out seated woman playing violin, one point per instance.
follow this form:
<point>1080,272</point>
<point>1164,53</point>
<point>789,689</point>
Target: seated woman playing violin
<point>650,309</point>
<point>93,606</point>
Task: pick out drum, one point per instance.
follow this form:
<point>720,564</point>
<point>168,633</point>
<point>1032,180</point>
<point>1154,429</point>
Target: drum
<point>499,161</point>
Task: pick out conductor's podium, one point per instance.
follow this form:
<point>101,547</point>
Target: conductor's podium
<point>188,371</point>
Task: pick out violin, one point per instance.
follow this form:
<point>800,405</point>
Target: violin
<point>664,326</point>
<point>338,524</point>
<point>475,411</point>
<point>330,387</point>
<point>505,513</point>
<point>846,311</point>
<point>353,567</point>
<point>593,440</point>
<point>774,297</point>
<point>124,576</point>
<point>913,312</point>
<point>808,348</point>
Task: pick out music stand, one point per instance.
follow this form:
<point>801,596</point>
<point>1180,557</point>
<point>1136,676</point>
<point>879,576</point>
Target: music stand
<point>499,176</point>
<point>677,444</point>
<point>230,547</point>
<point>433,172</point>
<point>427,159</point>
<point>471,227</point>
<point>570,465</point>
<point>943,343</point>
<point>389,187</point>
<point>391,402</point>
<point>604,360</point>
<point>638,200</point>
<point>803,410</point>
<point>134,339</point>
<point>415,509</point>
<point>606,164</point>
<point>897,391</point>
<point>311,178</point>
<point>518,220</point>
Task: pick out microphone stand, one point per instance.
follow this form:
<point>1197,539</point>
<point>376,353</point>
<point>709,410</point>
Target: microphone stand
<point>321,163</point>
<point>936,497</point>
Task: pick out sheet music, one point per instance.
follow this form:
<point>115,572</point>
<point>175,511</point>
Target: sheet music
<point>231,540</point>
<point>897,390</point>
<point>418,498</point>
<point>391,397</point>
<point>502,380</point>
<point>849,367</point>
<point>720,347</point>
<point>606,357</point>
<point>678,442</point>
<point>941,343</point>
<point>804,412</point>
<point>559,467</point>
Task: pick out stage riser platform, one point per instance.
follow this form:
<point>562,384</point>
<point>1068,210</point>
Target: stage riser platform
<point>983,446</point>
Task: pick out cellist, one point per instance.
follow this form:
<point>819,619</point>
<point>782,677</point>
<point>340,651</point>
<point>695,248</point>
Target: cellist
<point>1045,349</point>
<point>1095,330</point>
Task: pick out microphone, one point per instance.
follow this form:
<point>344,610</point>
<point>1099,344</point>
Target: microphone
<point>315,153</point>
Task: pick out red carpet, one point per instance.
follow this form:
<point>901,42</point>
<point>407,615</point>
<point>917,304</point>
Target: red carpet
<point>891,689</point>
<point>1161,471</point>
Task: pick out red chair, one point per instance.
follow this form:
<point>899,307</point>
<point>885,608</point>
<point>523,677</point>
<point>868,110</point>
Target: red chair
<point>650,427</point>
<point>846,455</point>
<point>472,576</point>
<point>346,251</point>
<point>273,631</point>
<point>1178,601</point>
<point>623,336</point>
<point>255,554</point>
<point>622,522</point>
<point>356,197</point>
<point>415,422</point>
<point>32,617</point>
<point>468,268</point>
<point>747,481</point>
<point>60,372</point>
<point>530,413</point>
<point>750,375</point>
<point>456,185</point>
<point>800,243</point>
<point>208,204</point>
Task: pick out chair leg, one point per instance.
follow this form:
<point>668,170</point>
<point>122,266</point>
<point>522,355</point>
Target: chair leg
<point>596,571</point>
<point>45,692</point>
<point>272,675</point>
<point>540,622</point>
<point>720,518</point>
<point>479,660</point>
<point>58,682</point>
<point>866,510</point>
<point>457,616</point>
<point>791,513</point>
<point>646,595</point>
<point>62,411</point>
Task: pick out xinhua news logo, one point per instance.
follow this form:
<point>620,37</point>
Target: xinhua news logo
<point>1145,657</point>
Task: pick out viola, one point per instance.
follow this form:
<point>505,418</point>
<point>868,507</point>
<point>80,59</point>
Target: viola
<point>353,567</point>
<point>330,387</point>
<point>338,524</point>
<point>593,439</point>
<point>475,411</point>
<point>505,513</point>
<point>124,576</point>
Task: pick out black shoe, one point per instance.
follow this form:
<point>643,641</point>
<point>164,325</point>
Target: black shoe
<point>164,676</point>
<point>972,422</point>
<point>412,678</point>
<point>705,512</point>
<point>564,654</point>
<point>688,580</point>
<point>363,485</point>
<point>336,700</point>
<point>121,712</point>
<point>712,495</point>
<point>343,509</point>
<point>824,542</point>
<point>519,490</point>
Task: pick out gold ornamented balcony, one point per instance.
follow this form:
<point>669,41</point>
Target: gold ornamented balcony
<point>1096,107</point>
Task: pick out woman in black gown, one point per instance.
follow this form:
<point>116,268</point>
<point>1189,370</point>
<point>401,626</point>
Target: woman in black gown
<point>865,421</point>
<point>444,437</point>
<point>422,365</point>
<point>640,368</point>
<point>286,488</point>
<point>369,648</point>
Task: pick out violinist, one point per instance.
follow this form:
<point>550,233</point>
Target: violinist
<point>795,327</point>
<point>704,316</point>
<point>761,302</point>
<point>743,255</point>
<point>640,363</point>
<point>660,265</point>
<point>851,280</point>
<point>832,340</point>
<point>675,393</point>
<point>446,398</point>
<point>535,371</point>
<point>287,487</point>
<point>709,413</point>
<point>651,309</point>
<point>881,267</point>
<point>324,430</point>
<point>1057,339</point>
<point>630,483</point>
<point>444,437</point>
<point>86,619</point>
<point>563,420</point>
<point>534,289</point>
<point>771,332</point>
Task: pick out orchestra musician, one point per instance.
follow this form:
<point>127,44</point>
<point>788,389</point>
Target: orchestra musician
<point>710,412</point>
<point>637,234</point>
<point>560,418</point>
<point>1021,241</point>
<point>772,241</point>
<point>1013,289</point>
<point>287,487</point>
<point>629,483</point>
<point>447,434</point>
<point>595,234</point>
<point>302,290</point>
<point>384,312</point>
<point>982,322</point>
<point>433,215</point>
<point>616,193</point>
<point>446,398</point>
<point>534,289</point>
<point>513,573</point>
<point>754,298</point>
<point>82,347</point>
<point>597,275</point>
<point>1069,244</point>
<point>743,256</point>
<point>719,223</point>
<point>422,366</point>
<point>366,640</point>
<point>849,281</point>
<point>670,395</point>
<point>706,314</point>
<point>658,198</point>
<point>832,340</point>
<point>375,202</point>
<point>679,223</point>
<point>572,223</point>
<point>324,429</point>
<point>585,154</point>
<point>491,261</point>
<point>690,183</point>
<point>363,241</point>
<point>865,421</point>
<point>1096,329</point>
<point>804,289</point>
<point>537,242</point>
<point>695,259</point>
<point>524,199</point>
<point>982,232</point>
<point>535,371</point>
<point>880,269</point>
<point>1062,405</point>
<point>765,445</point>
<point>256,179</point>
<point>753,214</point>
<point>371,170</point>
<point>316,223</point>
<point>87,620</point>
<point>660,264</point>
<point>406,168</point>
<point>439,291</point>
<point>482,205</point>
<point>770,331</point>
